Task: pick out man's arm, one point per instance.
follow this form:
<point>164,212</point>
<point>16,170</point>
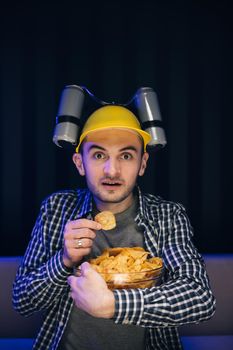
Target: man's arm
<point>42,277</point>
<point>179,301</point>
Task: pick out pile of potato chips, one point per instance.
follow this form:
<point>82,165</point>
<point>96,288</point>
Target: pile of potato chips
<point>123,265</point>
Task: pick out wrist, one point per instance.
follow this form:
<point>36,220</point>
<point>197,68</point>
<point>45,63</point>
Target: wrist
<point>109,305</point>
<point>67,262</point>
<point>57,271</point>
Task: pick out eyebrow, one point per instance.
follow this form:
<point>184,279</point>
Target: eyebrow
<point>127,148</point>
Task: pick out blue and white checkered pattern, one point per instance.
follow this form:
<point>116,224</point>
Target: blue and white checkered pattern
<point>183,297</point>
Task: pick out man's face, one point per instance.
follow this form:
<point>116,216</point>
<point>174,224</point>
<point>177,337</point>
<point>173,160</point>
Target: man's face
<point>111,160</point>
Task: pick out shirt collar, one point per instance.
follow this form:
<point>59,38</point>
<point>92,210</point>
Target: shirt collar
<point>142,212</point>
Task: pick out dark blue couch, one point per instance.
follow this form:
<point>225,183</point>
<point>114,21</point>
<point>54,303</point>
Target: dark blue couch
<point>17,332</point>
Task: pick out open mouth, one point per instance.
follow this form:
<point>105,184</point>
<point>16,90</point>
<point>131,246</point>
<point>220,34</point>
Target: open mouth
<point>111,184</point>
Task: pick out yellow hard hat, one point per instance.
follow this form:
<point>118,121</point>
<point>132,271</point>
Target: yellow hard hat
<point>113,117</point>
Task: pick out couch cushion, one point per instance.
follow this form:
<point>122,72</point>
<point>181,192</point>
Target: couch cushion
<point>220,271</point>
<point>16,344</point>
<point>13,325</point>
<point>208,342</point>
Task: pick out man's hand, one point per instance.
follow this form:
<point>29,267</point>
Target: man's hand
<point>78,240</point>
<point>91,294</point>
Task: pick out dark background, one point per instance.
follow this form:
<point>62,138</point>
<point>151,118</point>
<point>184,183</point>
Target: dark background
<point>183,49</point>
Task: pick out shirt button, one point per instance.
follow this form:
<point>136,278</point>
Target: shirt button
<point>61,324</point>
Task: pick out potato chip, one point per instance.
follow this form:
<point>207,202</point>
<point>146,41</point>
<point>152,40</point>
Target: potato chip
<point>106,219</point>
<point>114,251</point>
<point>125,260</point>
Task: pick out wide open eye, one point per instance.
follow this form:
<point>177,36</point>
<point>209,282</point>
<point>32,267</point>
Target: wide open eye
<point>99,155</point>
<point>126,156</point>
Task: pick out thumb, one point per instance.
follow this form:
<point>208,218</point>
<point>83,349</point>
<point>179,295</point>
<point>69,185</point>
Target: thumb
<point>85,268</point>
<point>71,280</point>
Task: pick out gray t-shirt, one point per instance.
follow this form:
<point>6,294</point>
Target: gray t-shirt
<point>84,332</point>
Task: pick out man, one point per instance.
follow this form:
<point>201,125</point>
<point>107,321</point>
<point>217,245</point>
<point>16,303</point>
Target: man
<point>111,155</point>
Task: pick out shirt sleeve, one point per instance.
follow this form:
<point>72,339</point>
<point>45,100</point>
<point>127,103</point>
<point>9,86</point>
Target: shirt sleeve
<point>42,278</point>
<point>183,297</point>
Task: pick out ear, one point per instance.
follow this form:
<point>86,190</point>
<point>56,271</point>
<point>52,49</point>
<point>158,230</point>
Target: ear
<point>78,161</point>
<point>144,160</point>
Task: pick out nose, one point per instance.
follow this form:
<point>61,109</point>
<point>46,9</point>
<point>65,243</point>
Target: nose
<point>112,167</point>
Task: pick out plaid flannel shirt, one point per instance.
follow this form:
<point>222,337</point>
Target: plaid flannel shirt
<point>183,297</point>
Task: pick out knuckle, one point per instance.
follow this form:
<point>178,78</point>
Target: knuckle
<point>66,233</point>
<point>68,225</point>
<point>91,233</point>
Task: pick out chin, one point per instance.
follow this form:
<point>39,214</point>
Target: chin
<point>112,197</point>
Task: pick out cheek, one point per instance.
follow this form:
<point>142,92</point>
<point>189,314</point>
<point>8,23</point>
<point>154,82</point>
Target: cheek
<point>92,172</point>
<point>130,172</point>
